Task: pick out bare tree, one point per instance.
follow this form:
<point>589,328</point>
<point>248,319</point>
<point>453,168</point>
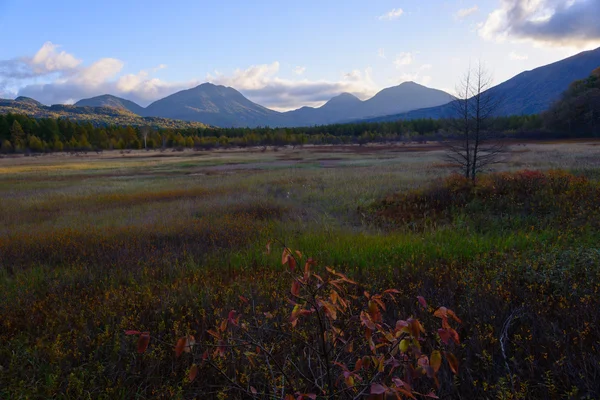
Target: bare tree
<point>475,145</point>
<point>145,131</point>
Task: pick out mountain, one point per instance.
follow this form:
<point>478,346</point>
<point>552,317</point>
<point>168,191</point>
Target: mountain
<point>214,105</point>
<point>530,92</point>
<point>95,115</point>
<point>108,100</point>
<point>345,107</point>
<point>337,109</point>
<point>28,101</point>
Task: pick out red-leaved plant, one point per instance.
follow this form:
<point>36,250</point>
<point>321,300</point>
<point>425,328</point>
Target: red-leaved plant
<point>329,339</point>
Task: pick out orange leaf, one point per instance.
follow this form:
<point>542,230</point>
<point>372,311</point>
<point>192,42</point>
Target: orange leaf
<point>193,372</point>
<point>441,312</point>
<point>366,321</point>
<point>451,313</point>
<point>184,345</point>
<point>269,247</point>
<point>453,362</point>
<point>143,342</point>
<point>285,256</point>
<point>179,347</point>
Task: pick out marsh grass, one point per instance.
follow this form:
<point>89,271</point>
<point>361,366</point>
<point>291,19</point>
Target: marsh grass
<point>95,245</point>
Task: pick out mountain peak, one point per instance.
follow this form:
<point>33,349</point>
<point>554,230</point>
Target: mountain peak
<point>344,98</point>
<point>28,100</point>
<point>108,100</point>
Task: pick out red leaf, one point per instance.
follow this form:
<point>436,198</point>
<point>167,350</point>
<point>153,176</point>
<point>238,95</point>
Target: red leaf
<point>132,332</point>
<point>376,388</point>
<point>193,372</point>
<point>231,318</point>
<point>291,263</point>
<point>444,335</point>
<point>143,342</point>
<point>243,299</point>
<point>296,288</point>
<point>422,301</point>
<point>253,390</point>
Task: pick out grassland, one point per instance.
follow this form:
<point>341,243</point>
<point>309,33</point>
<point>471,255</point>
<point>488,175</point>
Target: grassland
<point>93,245</point>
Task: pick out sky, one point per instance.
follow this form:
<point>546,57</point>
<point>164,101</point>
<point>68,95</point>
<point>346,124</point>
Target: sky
<point>280,54</point>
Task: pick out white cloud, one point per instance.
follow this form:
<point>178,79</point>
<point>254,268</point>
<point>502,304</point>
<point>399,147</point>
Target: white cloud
<point>465,12</point>
<point>395,13</point>
<point>381,53</point>
<point>57,77</point>
<point>261,84</point>
<point>403,59</point>
<point>417,76</point>
<point>567,23</point>
<point>48,59</point>
<point>518,57</point>
<point>299,70</point>
<point>64,78</point>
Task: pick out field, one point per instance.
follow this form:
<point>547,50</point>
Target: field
<point>169,242</point>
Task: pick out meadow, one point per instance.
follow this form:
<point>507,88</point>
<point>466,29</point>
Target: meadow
<point>94,245</point>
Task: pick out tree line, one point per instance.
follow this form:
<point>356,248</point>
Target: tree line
<point>20,133</point>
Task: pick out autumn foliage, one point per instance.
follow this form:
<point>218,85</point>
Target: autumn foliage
<point>335,342</point>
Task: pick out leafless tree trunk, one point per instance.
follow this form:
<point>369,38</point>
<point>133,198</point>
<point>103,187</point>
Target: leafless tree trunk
<point>476,145</point>
<point>145,131</point>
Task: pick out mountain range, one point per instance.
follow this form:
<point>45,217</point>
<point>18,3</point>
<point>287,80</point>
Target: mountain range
<point>226,107</point>
<point>530,92</point>
<point>104,115</point>
<point>527,93</point>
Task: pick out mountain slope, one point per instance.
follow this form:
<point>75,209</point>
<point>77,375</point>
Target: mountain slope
<point>108,100</point>
<point>214,105</point>
<point>530,92</point>
<point>345,107</point>
<point>94,115</point>
<point>402,98</point>
<point>335,110</point>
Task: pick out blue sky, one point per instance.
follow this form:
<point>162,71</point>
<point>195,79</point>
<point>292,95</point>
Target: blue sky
<point>280,54</point>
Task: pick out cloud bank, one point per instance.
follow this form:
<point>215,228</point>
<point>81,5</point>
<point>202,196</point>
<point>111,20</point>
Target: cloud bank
<point>568,23</point>
<point>53,76</point>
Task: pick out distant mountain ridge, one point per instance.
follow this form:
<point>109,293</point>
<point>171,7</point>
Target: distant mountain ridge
<point>94,115</point>
<point>527,93</point>
<point>226,107</point>
<point>404,97</point>
<point>108,100</point>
